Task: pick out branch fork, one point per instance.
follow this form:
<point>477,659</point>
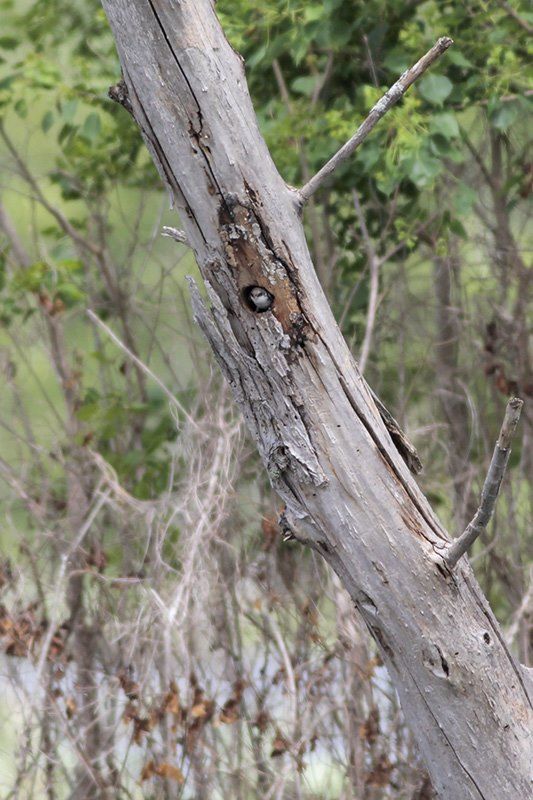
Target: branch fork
<point>491,487</point>
<point>378,111</point>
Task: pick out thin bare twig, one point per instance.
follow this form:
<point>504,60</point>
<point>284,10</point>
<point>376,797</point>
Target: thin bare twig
<point>370,61</point>
<point>316,233</point>
<point>491,487</point>
<point>59,581</point>
<point>60,218</point>
<point>523,612</point>
<point>489,179</point>
<point>380,261</point>
<point>19,251</point>
<point>351,295</point>
<point>373,263</point>
<point>323,79</point>
<point>282,86</point>
<point>142,366</point>
<point>389,99</point>
<point>516,16</point>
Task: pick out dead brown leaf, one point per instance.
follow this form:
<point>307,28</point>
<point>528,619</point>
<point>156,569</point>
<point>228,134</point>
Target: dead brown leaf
<point>165,770</point>
<point>280,745</point>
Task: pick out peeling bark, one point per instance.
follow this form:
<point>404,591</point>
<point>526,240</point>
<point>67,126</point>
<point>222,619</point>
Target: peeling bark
<point>348,492</point>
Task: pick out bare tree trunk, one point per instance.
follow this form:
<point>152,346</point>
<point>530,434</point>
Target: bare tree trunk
<point>348,492</point>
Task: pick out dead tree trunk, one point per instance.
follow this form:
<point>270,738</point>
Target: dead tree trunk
<point>329,456</point>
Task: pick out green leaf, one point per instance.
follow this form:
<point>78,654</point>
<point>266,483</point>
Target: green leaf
<point>464,199</point>
<point>69,264</point>
<point>69,293</point>
<point>445,124</point>
<point>91,127</point>
<point>435,89</point>
<point>255,59</point>
<point>458,228</point>
<point>8,42</point>
<point>458,59</point>
<point>369,156</point>
<point>397,61</point>
<point>424,169</point>
<point>6,82</point>
<point>504,116</point>
<point>47,121</point>
<point>304,85</point>
<point>439,145</point>
<point>299,50</point>
<point>66,130</point>
<point>21,108</point>
<point>30,279</point>
<point>312,13</point>
<point>68,110</point>
<point>88,411</point>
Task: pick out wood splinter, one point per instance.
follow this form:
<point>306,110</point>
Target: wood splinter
<point>491,487</point>
<point>174,233</point>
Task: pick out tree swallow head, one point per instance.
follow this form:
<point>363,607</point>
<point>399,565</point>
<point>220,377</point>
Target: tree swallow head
<point>260,299</point>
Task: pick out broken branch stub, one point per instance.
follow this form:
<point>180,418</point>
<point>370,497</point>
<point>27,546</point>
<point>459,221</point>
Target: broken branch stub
<point>491,487</point>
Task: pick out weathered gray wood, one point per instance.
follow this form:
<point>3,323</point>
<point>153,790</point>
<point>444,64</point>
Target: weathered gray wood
<point>348,492</point>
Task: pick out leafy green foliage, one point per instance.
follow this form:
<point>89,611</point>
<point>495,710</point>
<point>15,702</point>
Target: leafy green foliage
<point>357,50</point>
<point>58,60</point>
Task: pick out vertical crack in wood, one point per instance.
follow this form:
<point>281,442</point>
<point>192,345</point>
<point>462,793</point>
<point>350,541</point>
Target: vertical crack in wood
<point>196,133</point>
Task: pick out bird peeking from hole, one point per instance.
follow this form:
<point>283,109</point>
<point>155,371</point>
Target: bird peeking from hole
<point>259,299</point>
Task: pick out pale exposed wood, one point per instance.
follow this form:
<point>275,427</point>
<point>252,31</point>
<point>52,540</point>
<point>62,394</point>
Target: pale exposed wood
<point>174,233</point>
<point>348,492</point>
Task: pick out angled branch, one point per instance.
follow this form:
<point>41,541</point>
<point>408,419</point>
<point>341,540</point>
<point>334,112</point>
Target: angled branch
<point>60,218</point>
<point>516,16</point>
<point>18,249</point>
<point>377,112</point>
<point>491,487</point>
<point>142,366</point>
